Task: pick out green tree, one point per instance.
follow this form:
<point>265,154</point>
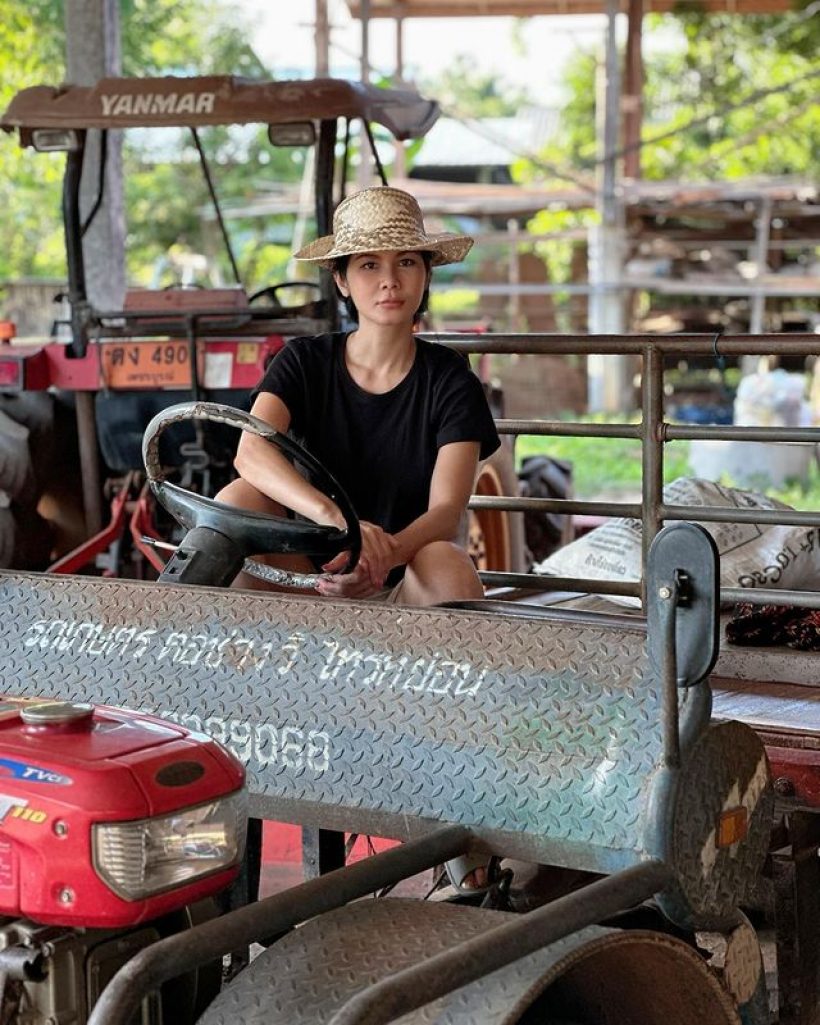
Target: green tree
<point>31,51</point>
<point>739,98</point>
<point>165,199</point>
<point>463,90</point>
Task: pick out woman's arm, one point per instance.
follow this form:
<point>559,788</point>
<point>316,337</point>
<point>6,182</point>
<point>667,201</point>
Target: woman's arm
<point>450,489</point>
<point>261,464</point>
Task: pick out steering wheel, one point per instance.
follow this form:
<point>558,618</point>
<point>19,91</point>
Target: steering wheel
<point>253,532</point>
<point>270,291</point>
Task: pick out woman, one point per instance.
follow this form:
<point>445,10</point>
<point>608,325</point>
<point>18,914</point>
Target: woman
<point>401,423</point>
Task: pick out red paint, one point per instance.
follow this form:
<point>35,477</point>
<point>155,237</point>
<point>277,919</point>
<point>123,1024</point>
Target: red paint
<point>801,768</point>
<point>104,771</point>
<point>282,844</point>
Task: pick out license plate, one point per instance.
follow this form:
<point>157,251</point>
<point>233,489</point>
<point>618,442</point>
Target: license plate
<point>146,364</point>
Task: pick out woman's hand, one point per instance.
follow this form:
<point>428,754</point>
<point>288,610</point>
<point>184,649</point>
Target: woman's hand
<point>380,553</point>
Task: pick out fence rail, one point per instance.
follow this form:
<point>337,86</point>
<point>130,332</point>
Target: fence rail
<point>653,431</point>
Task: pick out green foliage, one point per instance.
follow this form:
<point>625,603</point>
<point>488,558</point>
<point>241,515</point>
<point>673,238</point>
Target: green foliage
<point>167,203</point>
<point>557,252</point>
<point>611,467</point>
<point>31,51</point>
<point>739,98</point>
<point>190,37</point>
<point>452,305</point>
<point>463,90</point>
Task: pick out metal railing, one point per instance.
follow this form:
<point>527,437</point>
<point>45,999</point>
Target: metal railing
<point>654,432</point>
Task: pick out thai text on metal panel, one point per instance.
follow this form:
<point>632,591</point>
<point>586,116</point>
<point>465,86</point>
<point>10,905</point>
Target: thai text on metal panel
<point>338,661</point>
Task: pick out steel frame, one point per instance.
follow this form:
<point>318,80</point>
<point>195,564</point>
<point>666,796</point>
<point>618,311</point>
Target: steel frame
<point>653,432</point>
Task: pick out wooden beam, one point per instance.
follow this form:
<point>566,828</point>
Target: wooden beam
<point>532,8</point>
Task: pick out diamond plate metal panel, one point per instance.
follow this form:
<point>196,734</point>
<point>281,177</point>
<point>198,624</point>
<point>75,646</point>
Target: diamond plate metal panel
<point>544,728</point>
<point>307,976</point>
<point>721,827</point>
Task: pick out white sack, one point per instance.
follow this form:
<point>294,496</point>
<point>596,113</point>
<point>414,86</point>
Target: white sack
<point>751,554</point>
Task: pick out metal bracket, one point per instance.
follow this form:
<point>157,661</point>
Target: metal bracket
<point>682,572</point>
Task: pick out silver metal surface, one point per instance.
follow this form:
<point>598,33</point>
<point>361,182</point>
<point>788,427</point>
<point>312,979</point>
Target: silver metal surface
<point>281,577</point>
<point>54,713</point>
<point>634,976</point>
<point>542,733</point>
<point>725,777</point>
<point>311,973</point>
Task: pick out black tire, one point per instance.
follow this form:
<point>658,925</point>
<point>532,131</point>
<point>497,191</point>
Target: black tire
<point>8,538</point>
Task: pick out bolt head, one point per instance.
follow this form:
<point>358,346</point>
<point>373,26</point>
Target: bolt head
<point>66,895</point>
<point>665,593</point>
<point>60,828</point>
<point>784,786</point>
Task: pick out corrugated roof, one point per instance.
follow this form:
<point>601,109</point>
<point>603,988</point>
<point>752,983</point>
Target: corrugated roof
<point>486,142</point>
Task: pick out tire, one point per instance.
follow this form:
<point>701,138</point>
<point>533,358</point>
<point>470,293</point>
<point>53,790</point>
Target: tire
<point>8,538</point>
<point>495,538</point>
<point>16,470</point>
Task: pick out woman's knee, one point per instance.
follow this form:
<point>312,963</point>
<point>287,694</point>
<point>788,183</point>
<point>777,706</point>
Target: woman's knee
<point>438,554</point>
<point>441,571</point>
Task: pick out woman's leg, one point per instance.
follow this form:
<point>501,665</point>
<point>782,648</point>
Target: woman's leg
<point>245,496</point>
<point>441,571</point>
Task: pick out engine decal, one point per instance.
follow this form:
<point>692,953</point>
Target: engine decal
<point>32,773</point>
<point>18,808</point>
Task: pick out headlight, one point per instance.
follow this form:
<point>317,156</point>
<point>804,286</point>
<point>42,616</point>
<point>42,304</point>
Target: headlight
<point>139,859</point>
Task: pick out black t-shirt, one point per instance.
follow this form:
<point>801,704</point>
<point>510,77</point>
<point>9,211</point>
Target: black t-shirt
<point>381,448</point>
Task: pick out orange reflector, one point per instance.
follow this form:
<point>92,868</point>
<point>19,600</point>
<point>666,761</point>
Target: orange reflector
<point>732,827</point>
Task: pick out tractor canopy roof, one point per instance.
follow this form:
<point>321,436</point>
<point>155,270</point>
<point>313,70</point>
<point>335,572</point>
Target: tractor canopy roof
<point>214,100</point>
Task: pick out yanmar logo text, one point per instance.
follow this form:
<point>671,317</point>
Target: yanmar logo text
<point>130,104</point>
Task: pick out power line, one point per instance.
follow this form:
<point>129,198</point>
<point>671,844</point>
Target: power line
<point>750,100</point>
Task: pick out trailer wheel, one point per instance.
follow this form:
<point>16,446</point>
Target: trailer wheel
<point>495,538</point>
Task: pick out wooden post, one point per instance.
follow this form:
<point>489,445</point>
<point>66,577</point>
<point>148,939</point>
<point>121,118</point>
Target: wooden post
<point>632,104</point>
<point>322,40</point>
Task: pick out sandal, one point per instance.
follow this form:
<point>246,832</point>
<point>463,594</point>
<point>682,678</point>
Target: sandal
<point>471,874</point>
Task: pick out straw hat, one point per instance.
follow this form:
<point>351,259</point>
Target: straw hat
<point>380,220</point>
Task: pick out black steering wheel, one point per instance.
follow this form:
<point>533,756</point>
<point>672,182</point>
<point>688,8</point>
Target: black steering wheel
<point>270,292</point>
<point>252,532</point>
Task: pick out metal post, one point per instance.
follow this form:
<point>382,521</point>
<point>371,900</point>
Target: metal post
<point>365,174</point>
<point>609,376</point>
<point>764,225</point>
<point>651,454</point>
<point>514,277</point>
<point>323,851</point>
<point>400,164</point>
<point>92,53</point>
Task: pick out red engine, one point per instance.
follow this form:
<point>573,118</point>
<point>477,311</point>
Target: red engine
<point>109,817</point>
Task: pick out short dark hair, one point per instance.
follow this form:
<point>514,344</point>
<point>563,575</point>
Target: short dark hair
<point>340,267</point>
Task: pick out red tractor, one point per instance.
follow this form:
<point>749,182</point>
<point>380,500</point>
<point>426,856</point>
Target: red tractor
<point>119,367</point>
